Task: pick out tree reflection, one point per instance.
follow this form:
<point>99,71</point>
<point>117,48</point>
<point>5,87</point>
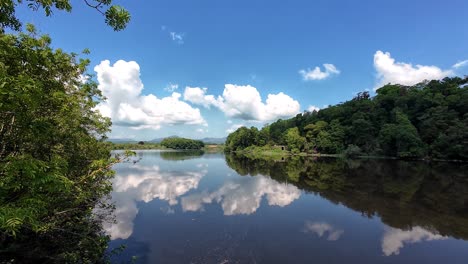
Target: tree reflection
<point>405,195</point>
<point>181,155</point>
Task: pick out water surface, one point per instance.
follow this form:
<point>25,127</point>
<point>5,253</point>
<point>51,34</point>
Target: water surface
<point>190,207</point>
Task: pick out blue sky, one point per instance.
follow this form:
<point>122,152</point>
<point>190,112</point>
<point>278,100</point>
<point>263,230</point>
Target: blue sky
<point>234,54</point>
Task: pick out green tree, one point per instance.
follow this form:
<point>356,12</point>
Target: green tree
<point>294,140</point>
<point>401,139</point>
<point>55,166</point>
<point>182,143</point>
<point>115,16</point>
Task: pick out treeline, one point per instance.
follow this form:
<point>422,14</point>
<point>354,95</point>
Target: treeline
<point>135,146</point>
<point>427,120</point>
<point>182,143</point>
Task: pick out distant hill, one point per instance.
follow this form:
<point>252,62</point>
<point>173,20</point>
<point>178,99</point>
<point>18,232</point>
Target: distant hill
<point>205,140</point>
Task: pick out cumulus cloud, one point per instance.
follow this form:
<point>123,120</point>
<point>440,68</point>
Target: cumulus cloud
<point>395,239</point>
<point>146,183</point>
<point>126,105</point>
<point>322,228</point>
<point>197,95</point>
<point>318,74</point>
<point>389,71</point>
<point>245,102</point>
<point>243,195</point>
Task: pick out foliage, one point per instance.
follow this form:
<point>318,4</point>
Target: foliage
<point>352,151</point>
<point>135,146</point>
<point>429,119</point>
<point>182,143</point>
<point>294,140</point>
<point>55,166</point>
<point>241,138</point>
<point>115,16</point>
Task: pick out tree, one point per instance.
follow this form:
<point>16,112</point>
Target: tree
<point>115,16</point>
<point>401,139</point>
<point>55,166</point>
<point>294,140</point>
<point>182,143</point>
<point>241,138</point>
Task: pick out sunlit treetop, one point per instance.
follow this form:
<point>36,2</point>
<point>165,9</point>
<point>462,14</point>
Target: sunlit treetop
<point>115,16</point>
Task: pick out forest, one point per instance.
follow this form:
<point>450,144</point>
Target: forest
<point>182,143</point>
<point>428,120</point>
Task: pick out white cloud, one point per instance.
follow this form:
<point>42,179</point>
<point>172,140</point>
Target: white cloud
<point>321,228</point>
<point>243,195</point>
<point>126,105</point>
<point>146,183</point>
<point>460,64</point>
<point>177,37</point>
<point>245,102</point>
<point>389,71</point>
<point>395,239</point>
<point>197,95</point>
<point>318,74</point>
<point>171,87</point>
<point>312,108</point>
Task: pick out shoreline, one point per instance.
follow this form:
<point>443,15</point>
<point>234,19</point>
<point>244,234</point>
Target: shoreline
<point>258,153</point>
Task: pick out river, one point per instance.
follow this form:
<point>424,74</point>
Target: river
<point>192,207</point>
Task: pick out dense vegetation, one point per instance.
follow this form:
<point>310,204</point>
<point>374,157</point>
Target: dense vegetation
<point>135,146</point>
<point>427,120</point>
<point>182,143</point>
<point>55,167</point>
<point>54,163</point>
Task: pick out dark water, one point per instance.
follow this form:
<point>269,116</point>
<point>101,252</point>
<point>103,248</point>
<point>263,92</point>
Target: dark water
<point>210,208</point>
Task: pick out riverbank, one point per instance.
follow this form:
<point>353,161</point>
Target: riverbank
<point>269,152</point>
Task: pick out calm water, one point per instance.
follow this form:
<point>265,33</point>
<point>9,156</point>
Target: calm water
<point>209,208</point>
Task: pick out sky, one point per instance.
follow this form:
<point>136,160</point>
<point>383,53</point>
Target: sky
<point>203,68</point>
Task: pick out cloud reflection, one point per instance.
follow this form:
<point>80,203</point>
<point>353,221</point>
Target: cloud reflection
<point>243,195</point>
<point>322,228</point>
<point>395,239</point>
<point>145,183</point>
